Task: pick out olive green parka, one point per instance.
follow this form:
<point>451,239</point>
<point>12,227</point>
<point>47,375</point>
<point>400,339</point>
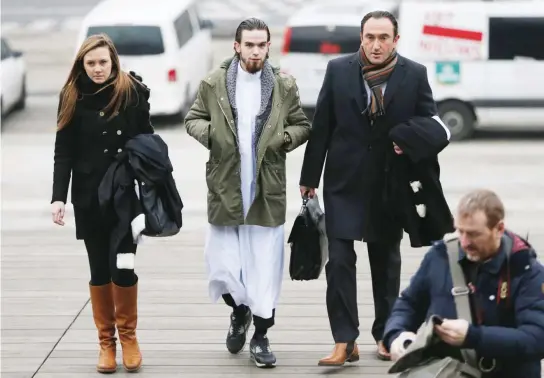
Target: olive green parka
<point>211,122</point>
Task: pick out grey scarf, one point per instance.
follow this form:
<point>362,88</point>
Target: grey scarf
<point>267,85</point>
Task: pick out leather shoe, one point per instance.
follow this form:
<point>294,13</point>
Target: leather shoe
<point>342,353</point>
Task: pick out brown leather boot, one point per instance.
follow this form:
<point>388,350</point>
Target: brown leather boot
<point>104,319</point>
<point>342,353</point>
<point>126,318</point>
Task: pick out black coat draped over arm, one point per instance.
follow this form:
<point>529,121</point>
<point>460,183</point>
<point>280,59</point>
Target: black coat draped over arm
<point>413,189</point>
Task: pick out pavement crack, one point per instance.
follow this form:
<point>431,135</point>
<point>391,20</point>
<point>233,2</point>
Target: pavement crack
<point>61,337</point>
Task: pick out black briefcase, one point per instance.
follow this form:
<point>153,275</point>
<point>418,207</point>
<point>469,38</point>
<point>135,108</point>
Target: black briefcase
<point>306,258</point>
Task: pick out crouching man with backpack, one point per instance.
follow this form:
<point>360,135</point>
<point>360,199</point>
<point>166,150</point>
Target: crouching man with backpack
<point>487,310</point>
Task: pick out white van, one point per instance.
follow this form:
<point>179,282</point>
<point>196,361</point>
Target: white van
<point>165,42</point>
<point>484,60</point>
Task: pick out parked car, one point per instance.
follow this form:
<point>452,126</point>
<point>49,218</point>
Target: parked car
<point>167,43</point>
<point>13,86</point>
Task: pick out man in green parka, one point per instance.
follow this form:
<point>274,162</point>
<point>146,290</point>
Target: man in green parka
<point>248,115</point>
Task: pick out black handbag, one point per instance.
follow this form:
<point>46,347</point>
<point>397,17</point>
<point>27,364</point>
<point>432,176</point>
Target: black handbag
<point>306,257</point>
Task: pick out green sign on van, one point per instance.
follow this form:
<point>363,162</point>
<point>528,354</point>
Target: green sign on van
<point>448,72</point>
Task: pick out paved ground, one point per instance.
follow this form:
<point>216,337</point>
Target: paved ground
<point>47,329</point>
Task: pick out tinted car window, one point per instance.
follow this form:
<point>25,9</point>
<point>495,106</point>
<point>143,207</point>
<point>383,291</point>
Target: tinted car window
<point>184,28</point>
<point>133,40</point>
<point>324,40</point>
<point>508,38</point>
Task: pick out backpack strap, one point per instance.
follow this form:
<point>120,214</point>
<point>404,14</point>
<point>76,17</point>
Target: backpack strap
<point>460,292</point>
<point>504,297</point>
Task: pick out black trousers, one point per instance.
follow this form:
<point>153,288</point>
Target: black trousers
<point>94,229</point>
<point>385,265</point>
<point>103,264</point>
<point>261,324</point>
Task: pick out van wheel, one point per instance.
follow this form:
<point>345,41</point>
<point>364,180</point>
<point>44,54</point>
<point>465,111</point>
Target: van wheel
<point>21,103</point>
<point>179,117</point>
<point>188,101</point>
<point>459,119</point>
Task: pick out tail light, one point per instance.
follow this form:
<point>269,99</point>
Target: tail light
<point>329,48</point>
<point>172,75</point>
<point>286,41</point>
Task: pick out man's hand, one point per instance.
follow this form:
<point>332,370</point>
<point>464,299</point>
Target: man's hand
<point>399,345</point>
<point>397,149</point>
<point>287,139</point>
<point>57,212</point>
<point>453,332</point>
<point>305,190</point>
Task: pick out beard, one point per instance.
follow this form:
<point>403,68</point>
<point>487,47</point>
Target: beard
<point>253,66</point>
<point>481,253</point>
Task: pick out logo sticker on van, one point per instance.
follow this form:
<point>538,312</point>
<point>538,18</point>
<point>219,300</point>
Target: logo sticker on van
<point>448,72</point>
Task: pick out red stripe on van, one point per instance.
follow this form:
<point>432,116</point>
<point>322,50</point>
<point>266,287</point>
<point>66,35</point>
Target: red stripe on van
<point>453,33</point>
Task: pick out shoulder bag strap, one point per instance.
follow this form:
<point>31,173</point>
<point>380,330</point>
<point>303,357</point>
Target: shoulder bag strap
<point>460,292</point>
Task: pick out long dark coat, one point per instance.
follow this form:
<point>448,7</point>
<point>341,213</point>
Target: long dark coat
<point>86,147</point>
<point>356,151</point>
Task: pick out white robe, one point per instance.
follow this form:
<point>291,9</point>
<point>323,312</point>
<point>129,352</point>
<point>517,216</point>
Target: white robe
<point>246,261</point>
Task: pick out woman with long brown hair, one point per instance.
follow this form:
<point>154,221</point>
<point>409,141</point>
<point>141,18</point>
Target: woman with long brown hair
<point>100,108</point>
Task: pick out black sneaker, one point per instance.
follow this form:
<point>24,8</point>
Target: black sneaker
<point>260,352</point>
<point>239,325</point>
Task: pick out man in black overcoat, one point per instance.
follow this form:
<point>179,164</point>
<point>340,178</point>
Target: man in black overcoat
<point>363,97</point>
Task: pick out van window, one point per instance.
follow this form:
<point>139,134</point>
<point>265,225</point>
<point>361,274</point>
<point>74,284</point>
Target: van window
<point>184,28</point>
<point>324,40</point>
<point>133,40</point>
<point>511,38</point>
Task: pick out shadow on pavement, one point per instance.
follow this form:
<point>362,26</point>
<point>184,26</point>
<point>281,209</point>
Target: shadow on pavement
<point>507,134</point>
<point>167,123</point>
